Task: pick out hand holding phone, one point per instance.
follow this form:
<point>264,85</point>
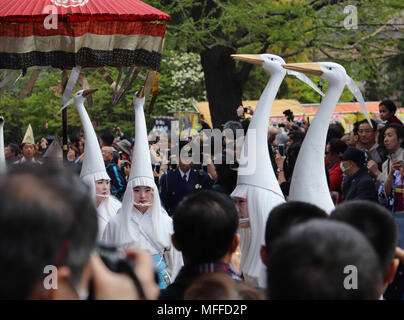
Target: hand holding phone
<point>281,149</point>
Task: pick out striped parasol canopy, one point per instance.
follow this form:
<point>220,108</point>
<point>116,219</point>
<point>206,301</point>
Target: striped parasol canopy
<point>88,33</point>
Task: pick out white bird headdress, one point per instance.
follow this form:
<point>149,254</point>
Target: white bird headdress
<point>309,183</point>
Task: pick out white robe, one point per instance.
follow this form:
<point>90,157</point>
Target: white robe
<point>116,233</point>
<point>105,211</point>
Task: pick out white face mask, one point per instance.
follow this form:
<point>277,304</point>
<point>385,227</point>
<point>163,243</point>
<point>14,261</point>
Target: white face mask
<point>147,204</point>
<point>102,196</point>
<point>243,220</point>
<point>343,168</point>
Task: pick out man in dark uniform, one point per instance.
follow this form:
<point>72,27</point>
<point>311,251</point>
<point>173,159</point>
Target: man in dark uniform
<point>178,182</point>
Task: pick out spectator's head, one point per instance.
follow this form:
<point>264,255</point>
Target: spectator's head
<point>205,225</point>
<point>354,135</point>
<point>46,218</point>
<point>28,150</point>
<point>126,168</point>
<point>352,160</point>
<point>107,139</point>
<point>322,259</point>
<point>107,154</point>
<point>367,134</point>
<point>334,149</point>
<point>378,226</point>
<point>393,137</point>
<point>387,109</point>
<point>283,217</point>
<point>291,158</point>
<point>125,146</point>
<point>295,137</point>
<point>335,131</point>
<point>11,151</point>
<point>221,286</point>
<point>28,144</point>
<point>185,152</point>
<point>212,286</point>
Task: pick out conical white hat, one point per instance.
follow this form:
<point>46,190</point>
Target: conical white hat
<point>3,166</point>
<point>93,163</point>
<point>141,165</point>
<point>29,136</point>
<point>55,149</point>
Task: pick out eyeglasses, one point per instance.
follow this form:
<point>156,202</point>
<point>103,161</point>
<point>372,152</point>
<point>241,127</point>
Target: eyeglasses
<point>365,131</point>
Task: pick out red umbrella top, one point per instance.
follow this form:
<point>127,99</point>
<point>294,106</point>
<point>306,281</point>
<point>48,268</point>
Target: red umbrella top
<point>79,10</point>
<point>88,33</point>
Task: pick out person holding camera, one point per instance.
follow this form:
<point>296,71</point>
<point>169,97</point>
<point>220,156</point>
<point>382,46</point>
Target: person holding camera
<point>241,111</point>
<point>48,230</point>
<point>393,139</point>
<point>142,223</point>
<point>390,192</point>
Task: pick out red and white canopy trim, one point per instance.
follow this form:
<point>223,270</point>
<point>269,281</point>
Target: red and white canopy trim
<point>89,33</point>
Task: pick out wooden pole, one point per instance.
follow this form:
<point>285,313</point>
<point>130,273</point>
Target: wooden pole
<point>64,118</point>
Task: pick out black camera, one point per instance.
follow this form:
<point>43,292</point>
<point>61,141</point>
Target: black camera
<point>117,262</point>
<point>289,114</point>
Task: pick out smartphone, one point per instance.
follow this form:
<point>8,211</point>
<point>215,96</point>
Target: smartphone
<point>245,110</point>
<point>281,149</point>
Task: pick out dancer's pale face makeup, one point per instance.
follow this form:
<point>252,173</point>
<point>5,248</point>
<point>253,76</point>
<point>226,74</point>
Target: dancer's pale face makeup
<point>143,195</point>
<point>242,209</point>
<point>101,190</point>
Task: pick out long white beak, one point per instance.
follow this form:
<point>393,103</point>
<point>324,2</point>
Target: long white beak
<point>88,92</point>
<point>249,58</point>
<point>312,68</point>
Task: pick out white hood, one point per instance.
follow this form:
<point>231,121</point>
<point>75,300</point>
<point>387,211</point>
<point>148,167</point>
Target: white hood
<point>141,174</point>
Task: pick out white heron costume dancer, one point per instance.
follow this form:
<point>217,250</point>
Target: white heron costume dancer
<point>3,166</point>
<point>309,182</point>
<point>150,230</point>
<point>93,168</point>
<point>256,180</point>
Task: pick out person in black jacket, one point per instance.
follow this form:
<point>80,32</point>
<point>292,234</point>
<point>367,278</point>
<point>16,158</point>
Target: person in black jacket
<point>175,184</point>
<point>357,183</point>
<point>205,231</point>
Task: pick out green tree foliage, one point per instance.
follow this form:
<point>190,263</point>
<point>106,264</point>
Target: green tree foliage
<point>181,82</point>
<point>180,85</point>
<point>311,30</point>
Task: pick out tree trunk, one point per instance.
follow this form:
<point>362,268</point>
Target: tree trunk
<point>223,85</point>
